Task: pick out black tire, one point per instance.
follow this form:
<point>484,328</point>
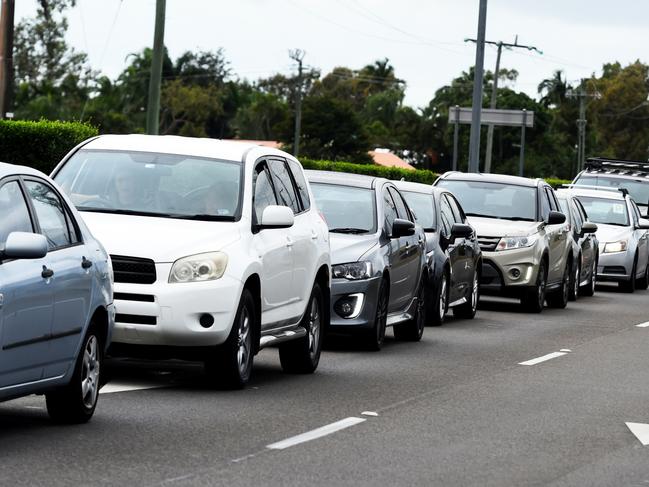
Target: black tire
<point>412,330</point>
<point>643,282</point>
<point>75,403</point>
<point>575,276</point>
<point>468,310</point>
<point>302,356</point>
<point>534,297</point>
<point>374,338</point>
<point>439,303</point>
<point>559,298</point>
<point>230,365</point>
<point>589,288</point>
<point>629,285</point>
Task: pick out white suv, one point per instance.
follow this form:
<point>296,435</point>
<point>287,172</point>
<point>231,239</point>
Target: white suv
<point>217,247</point>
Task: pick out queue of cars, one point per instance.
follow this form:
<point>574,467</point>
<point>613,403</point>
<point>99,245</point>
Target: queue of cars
<point>217,249</point>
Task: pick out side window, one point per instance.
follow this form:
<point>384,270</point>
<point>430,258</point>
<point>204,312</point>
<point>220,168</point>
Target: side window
<point>576,216</point>
<point>447,217</point>
<point>545,205</point>
<point>51,214</point>
<point>458,214</point>
<point>554,204</point>
<point>402,209</point>
<point>580,209</point>
<point>389,210</point>
<point>636,212</point>
<point>284,185</point>
<point>263,194</point>
<point>13,208</point>
<point>300,182</point>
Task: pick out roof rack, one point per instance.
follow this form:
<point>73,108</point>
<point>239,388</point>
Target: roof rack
<point>624,191</point>
<point>617,166</point>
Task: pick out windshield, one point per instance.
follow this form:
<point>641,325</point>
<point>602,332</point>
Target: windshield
<point>347,209</point>
<point>152,184</point>
<point>422,205</point>
<point>607,211</point>
<point>638,189</point>
<point>494,200</point>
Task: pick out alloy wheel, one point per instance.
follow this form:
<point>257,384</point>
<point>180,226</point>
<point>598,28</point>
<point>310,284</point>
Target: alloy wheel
<point>442,298</point>
<point>576,286</point>
<point>244,341</point>
<point>314,327</point>
<point>90,373</point>
<point>474,292</point>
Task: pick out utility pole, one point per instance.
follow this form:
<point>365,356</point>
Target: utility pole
<point>494,92</point>
<point>297,55</point>
<point>582,95</point>
<point>6,56</point>
<point>478,72</point>
<point>153,106</point>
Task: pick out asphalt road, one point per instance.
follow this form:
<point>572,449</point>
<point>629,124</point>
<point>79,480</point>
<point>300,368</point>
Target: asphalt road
<point>457,408</point>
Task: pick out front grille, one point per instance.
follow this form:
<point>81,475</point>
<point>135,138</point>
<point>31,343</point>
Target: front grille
<point>133,270</point>
<point>488,244</point>
<point>614,269</point>
<point>136,319</point>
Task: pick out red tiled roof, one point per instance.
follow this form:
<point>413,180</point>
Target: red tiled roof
<point>383,157</point>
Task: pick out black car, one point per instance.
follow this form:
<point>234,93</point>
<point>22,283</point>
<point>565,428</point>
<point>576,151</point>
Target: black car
<point>377,254</point>
<point>453,253</point>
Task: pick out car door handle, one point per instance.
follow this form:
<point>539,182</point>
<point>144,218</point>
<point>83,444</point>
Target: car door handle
<point>314,236</point>
<point>289,242</point>
<point>47,273</point>
<point>85,263</point>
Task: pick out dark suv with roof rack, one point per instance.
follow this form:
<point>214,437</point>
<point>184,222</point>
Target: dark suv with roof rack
<point>618,173</point>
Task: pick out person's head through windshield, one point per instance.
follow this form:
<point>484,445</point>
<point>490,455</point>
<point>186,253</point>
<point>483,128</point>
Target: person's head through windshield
<point>126,191</point>
<point>220,199</point>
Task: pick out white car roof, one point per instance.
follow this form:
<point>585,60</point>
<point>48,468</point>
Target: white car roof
<point>592,193</point>
<point>12,169</point>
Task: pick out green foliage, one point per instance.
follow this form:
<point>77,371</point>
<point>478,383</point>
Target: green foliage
<point>395,173</point>
<point>40,145</point>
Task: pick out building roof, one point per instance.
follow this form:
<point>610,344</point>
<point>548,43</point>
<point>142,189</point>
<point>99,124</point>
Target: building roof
<point>383,157</point>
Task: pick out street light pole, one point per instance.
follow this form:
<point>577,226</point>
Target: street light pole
<point>478,73</point>
<point>153,106</point>
<point>6,56</point>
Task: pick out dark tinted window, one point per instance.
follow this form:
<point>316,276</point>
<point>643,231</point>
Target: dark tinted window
<point>576,217</point>
<point>51,214</point>
<point>284,185</point>
<point>447,217</point>
<point>298,177</point>
<point>423,207</point>
<point>554,204</point>
<point>13,208</point>
<point>389,210</point>
<point>458,214</point>
<point>263,195</point>
<point>402,209</point>
<point>545,205</point>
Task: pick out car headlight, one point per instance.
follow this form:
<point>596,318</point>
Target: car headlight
<point>352,271</point>
<point>200,267</point>
<point>619,246</point>
<point>509,243</point>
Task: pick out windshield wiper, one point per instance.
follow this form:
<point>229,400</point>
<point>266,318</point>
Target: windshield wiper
<point>480,215</point>
<point>351,230</point>
<point>516,218</point>
<point>206,217</point>
<point>178,216</point>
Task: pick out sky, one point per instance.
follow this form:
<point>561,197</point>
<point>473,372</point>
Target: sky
<point>423,39</point>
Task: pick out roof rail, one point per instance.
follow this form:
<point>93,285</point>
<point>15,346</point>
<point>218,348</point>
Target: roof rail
<point>624,191</point>
<point>595,164</point>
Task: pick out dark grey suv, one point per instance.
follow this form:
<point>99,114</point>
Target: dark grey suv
<point>378,257</point>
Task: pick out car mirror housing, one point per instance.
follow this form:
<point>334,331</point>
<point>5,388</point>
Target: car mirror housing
<point>643,224</point>
<point>461,230</point>
<point>588,227</point>
<point>24,245</point>
<point>275,216</point>
<point>402,228</point>
<point>556,218</point>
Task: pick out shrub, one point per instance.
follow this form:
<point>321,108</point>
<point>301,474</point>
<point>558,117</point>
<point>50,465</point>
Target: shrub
<point>42,144</point>
<point>418,175</point>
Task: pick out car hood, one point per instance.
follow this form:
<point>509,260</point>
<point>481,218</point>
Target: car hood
<point>160,239</point>
<point>350,248</point>
<point>612,233</point>
<point>494,227</point>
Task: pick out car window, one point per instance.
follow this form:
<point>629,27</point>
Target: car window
<point>13,208</point>
<point>638,188</point>
<point>263,193</point>
<point>636,212</point>
<point>580,208</point>
<point>446,216</point>
<point>402,209</point>
<point>424,208</point>
<point>389,211</point>
<point>545,205</point>
<point>51,214</point>
<point>284,189</point>
<point>554,204</point>
<point>300,182</point>
<point>576,216</point>
<point>335,201</point>
<point>605,210</point>
<point>458,214</point>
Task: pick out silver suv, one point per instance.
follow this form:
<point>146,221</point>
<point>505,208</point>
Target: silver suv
<point>522,233</point>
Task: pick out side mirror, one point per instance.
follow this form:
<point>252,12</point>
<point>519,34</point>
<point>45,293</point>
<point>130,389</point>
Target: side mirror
<point>588,227</point>
<point>402,228</point>
<point>643,224</point>
<point>460,230</point>
<point>24,245</point>
<point>275,216</point>
<point>556,218</point>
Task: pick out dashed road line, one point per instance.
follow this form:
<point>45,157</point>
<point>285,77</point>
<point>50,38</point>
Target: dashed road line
<point>643,325</point>
<point>545,358</point>
<point>316,433</point>
<point>113,387</point>
<point>641,432</point>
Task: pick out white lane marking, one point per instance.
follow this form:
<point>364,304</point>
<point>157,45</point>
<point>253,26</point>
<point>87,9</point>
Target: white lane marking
<point>567,350</point>
<point>643,325</point>
<point>538,360</point>
<point>316,433</point>
<point>113,387</point>
<point>370,413</point>
<point>641,431</point>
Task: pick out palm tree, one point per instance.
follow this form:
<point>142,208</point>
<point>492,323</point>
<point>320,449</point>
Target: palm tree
<point>553,90</point>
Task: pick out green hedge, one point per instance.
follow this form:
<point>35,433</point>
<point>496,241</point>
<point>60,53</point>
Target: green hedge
<point>40,145</point>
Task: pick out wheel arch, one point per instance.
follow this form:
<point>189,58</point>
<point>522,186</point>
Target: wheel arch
<point>253,284</point>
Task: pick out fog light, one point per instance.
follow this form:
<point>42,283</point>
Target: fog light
<point>515,273</point>
<point>349,306</point>
<point>206,320</point>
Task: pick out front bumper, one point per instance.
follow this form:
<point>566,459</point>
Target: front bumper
<point>614,267</point>
<point>342,288</point>
<point>499,270</point>
<point>164,314</point>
